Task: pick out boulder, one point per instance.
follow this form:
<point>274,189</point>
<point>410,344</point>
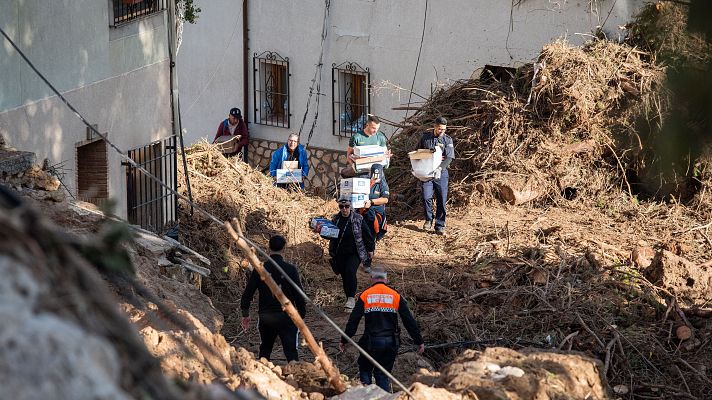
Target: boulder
<point>691,283</point>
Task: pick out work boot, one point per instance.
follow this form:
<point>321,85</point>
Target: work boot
<point>440,230</point>
<point>350,303</point>
<point>428,225</point>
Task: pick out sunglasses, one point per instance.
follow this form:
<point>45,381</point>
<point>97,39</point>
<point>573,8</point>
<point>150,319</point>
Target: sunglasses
<point>343,206</point>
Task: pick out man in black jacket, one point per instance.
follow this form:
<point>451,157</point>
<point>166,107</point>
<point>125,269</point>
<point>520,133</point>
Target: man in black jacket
<point>273,321</point>
<point>354,245</point>
<point>381,337</point>
<point>439,184</point>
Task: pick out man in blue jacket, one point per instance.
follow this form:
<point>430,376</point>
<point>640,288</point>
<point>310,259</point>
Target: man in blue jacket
<point>291,151</point>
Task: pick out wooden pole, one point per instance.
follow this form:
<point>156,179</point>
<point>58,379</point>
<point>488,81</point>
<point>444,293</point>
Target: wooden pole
<point>331,371</point>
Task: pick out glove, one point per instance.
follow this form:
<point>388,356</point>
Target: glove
<point>437,172</point>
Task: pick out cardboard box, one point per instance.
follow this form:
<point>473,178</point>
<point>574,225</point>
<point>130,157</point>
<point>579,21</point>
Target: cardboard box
<point>290,164</point>
<point>349,186</point>
<point>289,176</point>
<point>358,200</point>
<point>364,164</point>
<point>316,223</point>
<point>424,163</point>
<point>329,231</point>
<point>369,151</point>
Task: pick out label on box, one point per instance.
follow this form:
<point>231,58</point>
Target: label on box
<point>289,176</point>
<point>350,186</point>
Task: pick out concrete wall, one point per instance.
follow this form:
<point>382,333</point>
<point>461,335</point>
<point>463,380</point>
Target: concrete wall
<point>383,35</point>
<point>116,77</point>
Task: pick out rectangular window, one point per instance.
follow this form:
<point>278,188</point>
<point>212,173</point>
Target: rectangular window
<point>271,95</point>
<point>351,101</point>
<point>128,10</point>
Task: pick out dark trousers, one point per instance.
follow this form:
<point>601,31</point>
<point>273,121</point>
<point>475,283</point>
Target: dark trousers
<point>279,324</point>
<point>347,265</point>
<point>439,188</point>
<point>384,350</point>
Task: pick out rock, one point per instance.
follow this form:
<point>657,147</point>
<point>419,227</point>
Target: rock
<point>642,256</point>
<point>527,374</point>
<point>423,392</point>
<point>47,357</point>
<point>690,282</point>
<point>15,162</point>
<point>371,392</point>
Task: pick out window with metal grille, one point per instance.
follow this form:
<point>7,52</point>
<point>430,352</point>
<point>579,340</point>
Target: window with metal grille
<point>128,10</point>
<point>351,97</point>
<point>271,96</point>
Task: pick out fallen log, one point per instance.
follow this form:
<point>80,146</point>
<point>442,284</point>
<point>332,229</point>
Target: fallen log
<point>516,197</point>
<point>288,307</point>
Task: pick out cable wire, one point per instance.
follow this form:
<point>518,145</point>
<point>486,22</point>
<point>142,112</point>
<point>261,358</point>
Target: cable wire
<point>317,74</point>
<point>210,216</point>
<point>417,62</point>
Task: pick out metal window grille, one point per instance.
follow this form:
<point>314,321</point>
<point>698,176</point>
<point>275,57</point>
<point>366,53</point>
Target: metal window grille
<point>271,91</point>
<point>150,205</point>
<point>128,10</point>
<point>351,101</point>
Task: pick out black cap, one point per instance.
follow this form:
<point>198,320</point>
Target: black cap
<point>235,112</point>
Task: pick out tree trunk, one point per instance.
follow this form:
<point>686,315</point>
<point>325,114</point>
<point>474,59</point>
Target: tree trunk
<point>288,307</point>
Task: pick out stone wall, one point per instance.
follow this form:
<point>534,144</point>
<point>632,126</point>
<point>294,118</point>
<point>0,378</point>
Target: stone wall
<point>324,164</point>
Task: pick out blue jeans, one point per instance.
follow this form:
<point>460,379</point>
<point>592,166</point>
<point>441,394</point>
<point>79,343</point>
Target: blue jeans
<point>384,350</point>
<point>439,188</point>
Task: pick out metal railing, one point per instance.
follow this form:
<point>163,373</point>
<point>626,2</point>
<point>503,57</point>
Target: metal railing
<point>271,91</point>
<point>351,101</point>
<point>128,10</point>
<point>150,205</point>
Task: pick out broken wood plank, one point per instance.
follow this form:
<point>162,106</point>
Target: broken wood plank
<point>192,267</point>
<point>181,246</point>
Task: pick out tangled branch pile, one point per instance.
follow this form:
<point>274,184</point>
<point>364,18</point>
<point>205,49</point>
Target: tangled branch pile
<point>232,189</point>
<point>563,126</point>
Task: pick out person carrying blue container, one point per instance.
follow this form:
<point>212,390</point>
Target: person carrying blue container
<point>439,184</point>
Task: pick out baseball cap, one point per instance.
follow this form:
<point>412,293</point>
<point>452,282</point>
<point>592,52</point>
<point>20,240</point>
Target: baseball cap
<point>235,112</point>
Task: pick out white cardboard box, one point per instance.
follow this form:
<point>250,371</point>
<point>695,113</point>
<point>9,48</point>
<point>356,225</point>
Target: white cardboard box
<point>289,176</point>
<point>358,200</point>
<point>349,186</point>
<point>329,231</point>
<point>424,165</point>
<point>369,151</point>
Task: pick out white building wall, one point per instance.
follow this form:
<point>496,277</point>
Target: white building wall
<point>384,35</point>
<point>116,77</point>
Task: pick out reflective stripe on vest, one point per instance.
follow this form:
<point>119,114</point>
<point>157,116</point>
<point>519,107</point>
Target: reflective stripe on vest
<point>380,298</point>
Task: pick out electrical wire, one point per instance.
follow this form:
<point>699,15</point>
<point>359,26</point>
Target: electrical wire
<point>317,74</point>
<point>210,216</point>
<point>417,62</point>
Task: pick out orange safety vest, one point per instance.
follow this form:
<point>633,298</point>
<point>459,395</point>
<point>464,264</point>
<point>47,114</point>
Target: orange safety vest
<point>378,222</point>
<point>380,298</point>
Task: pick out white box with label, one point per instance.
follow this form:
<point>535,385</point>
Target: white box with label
<point>349,186</point>
<point>289,176</point>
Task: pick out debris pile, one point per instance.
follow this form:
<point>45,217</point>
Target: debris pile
<point>562,127</point>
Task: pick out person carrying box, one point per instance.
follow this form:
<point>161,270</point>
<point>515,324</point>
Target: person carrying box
<point>355,244</point>
<point>290,153</point>
<point>368,136</point>
<point>439,184</point>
